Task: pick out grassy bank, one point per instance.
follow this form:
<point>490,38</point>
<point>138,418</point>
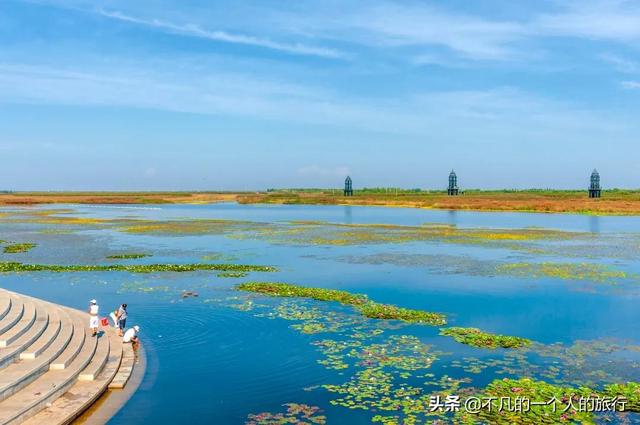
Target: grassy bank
<point>613,202</point>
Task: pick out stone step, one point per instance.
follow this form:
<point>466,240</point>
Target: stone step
<point>126,367</point>
<point>54,369</point>
<point>22,326</point>
<point>74,347</point>
<point>5,304</point>
<point>34,397</point>
<point>13,316</point>
<point>15,348</point>
<point>19,374</point>
<point>45,339</point>
<point>99,359</point>
<point>83,394</point>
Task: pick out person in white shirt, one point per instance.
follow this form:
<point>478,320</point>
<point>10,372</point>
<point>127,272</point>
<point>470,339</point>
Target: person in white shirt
<point>93,319</point>
<point>131,336</point>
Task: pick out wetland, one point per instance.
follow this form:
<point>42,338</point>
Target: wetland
<point>275,314</point>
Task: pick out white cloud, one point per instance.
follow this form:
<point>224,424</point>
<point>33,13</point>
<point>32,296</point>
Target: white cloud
<point>621,64</point>
<point>609,20</point>
<point>471,36</point>
<point>495,114</point>
<point>416,29</point>
<point>420,25</point>
<point>632,85</point>
<point>193,30</point>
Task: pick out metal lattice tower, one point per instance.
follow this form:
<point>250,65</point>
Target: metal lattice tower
<point>348,187</point>
<point>594,187</point>
<point>452,190</point>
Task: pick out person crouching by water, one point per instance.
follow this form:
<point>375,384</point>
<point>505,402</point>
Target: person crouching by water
<point>93,319</point>
<point>131,337</point>
<point>121,315</point>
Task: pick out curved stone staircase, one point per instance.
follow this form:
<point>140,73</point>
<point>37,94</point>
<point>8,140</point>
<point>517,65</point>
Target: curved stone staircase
<point>51,368</point>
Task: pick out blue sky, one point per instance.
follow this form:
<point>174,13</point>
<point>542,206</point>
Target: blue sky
<point>196,95</point>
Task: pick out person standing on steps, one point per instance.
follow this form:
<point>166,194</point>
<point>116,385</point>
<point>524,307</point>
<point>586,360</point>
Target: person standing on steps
<point>122,318</point>
<point>93,319</point>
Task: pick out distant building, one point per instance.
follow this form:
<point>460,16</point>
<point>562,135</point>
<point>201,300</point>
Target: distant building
<point>594,187</point>
<point>348,187</point>
<point>452,190</point>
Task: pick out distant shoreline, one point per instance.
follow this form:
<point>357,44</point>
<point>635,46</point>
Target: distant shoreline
<point>613,202</point>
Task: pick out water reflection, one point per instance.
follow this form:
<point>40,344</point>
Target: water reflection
<point>594,224</point>
<point>348,211</point>
<point>452,217</point>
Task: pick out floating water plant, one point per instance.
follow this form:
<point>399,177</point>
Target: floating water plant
<point>131,268</point>
<point>232,274</point>
<point>143,287</point>
<point>547,403</point>
<point>287,290</point>
<point>18,247</point>
<point>360,302</point>
<point>299,414</point>
<point>630,391</point>
<point>129,256</point>
<point>569,271</point>
<point>392,312</point>
<point>477,338</point>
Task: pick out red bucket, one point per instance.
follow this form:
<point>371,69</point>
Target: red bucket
<point>104,321</point>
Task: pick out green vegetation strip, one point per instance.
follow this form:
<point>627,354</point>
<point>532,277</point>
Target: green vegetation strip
<point>130,256</point>
<point>477,338</point>
<point>360,302</point>
<point>18,247</point>
<point>132,268</point>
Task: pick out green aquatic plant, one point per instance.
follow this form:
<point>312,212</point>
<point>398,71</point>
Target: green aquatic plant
<point>543,403</point>
<point>477,338</point>
<point>298,414</point>
<point>591,363</point>
<point>232,274</point>
<point>360,302</point>
<point>310,233</point>
<point>630,391</point>
<point>383,371</point>
<point>391,312</point>
<point>277,289</point>
<point>143,287</point>
<point>219,256</point>
<point>6,267</point>
<point>129,256</point>
<point>568,271</point>
<point>188,226</point>
<point>18,248</point>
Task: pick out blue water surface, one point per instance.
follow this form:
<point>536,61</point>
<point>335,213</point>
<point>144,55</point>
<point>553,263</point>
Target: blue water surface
<point>208,363</point>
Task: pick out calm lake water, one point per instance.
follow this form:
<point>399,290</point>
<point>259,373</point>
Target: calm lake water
<point>568,282</point>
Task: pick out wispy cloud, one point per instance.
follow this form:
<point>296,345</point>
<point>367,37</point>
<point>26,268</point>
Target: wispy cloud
<point>621,64</point>
<point>193,30</point>
<point>414,29</point>
<point>472,36</point>
<point>631,85</point>
<point>608,20</point>
<point>424,27</point>
<point>462,115</point>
